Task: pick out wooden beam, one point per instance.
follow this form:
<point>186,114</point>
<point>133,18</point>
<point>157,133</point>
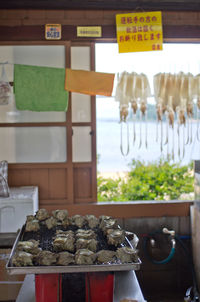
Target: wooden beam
<point>181,5</point>
<point>126,210</point>
<point>31,33</point>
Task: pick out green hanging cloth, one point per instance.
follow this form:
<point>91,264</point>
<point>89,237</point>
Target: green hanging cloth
<point>39,88</point>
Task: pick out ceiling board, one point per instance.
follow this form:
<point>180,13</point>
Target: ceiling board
<point>170,5</point>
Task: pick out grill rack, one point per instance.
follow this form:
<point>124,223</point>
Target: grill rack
<point>12,270</point>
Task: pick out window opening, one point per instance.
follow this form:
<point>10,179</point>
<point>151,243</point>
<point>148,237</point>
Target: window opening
<point>110,162</point>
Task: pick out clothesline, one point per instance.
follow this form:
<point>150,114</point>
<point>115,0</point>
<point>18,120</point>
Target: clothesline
<point>133,87</point>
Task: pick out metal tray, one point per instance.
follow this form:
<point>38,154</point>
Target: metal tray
<point>12,270</point>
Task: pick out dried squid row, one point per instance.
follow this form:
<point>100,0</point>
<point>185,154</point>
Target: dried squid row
<point>174,95</point>
<point>133,89</point>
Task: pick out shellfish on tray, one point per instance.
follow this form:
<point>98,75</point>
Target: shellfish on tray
<point>83,240</point>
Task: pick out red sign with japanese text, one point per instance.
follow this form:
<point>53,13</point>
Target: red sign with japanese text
<point>139,31</point>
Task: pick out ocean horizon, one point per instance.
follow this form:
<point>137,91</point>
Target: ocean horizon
<point>110,158</point>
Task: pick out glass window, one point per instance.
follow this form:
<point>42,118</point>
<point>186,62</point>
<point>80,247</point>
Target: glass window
<point>33,144</point>
<point>81,108</point>
<point>81,144</point>
<point>80,57</point>
<point>49,55</point>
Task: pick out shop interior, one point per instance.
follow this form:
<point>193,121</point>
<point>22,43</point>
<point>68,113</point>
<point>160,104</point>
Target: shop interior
<point>50,154</point>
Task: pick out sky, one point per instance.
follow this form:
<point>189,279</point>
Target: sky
<point>173,58</point>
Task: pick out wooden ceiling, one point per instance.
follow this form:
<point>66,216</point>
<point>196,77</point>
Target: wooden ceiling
<point>164,5</point>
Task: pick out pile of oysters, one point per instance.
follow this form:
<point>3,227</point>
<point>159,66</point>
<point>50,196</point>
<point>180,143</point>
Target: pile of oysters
<point>58,239</point>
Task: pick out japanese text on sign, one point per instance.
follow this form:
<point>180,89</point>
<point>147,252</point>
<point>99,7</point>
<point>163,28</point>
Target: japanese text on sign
<point>139,31</point>
<point>53,31</point>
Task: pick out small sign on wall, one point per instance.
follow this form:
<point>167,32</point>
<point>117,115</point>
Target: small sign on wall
<point>139,31</point>
<point>89,31</point>
<point>53,31</point>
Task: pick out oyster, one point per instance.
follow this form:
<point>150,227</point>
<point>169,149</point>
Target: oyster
<point>115,237</point>
<point>106,256</point>
<point>126,254</point>
<point>65,258</point>
<point>30,246</point>
<point>60,233</point>
<point>104,217</point>
<point>42,214</point>
<point>51,222</point>
<point>32,226</point>
<point>22,258</point>
<point>92,221</point>
<point>64,243</point>
<point>65,223</point>
<point>84,256</point>
<point>108,224</point>
<point>60,214</point>
<point>30,217</point>
<point>90,244</point>
<point>85,234</point>
<point>46,258</point>
<point>78,220</point>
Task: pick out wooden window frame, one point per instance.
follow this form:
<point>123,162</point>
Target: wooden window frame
<point>91,165</point>
<point>70,166</point>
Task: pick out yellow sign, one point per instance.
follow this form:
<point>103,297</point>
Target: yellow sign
<point>88,31</point>
<point>53,31</point>
<point>139,31</point>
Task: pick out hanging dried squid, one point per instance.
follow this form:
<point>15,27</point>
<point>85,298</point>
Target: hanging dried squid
<point>174,94</point>
<point>123,100</point>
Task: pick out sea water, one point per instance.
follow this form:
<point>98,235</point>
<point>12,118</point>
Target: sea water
<point>110,158</point>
